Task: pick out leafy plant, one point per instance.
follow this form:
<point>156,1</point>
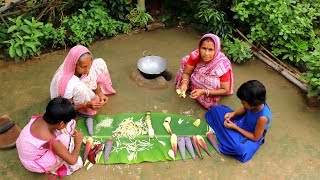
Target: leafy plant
<point>166,17</point>
<point>86,26</point>
<point>54,37</point>
<point>120,8</point>
<point>3,32</point>
<point>286,26</point>
<point>238,51</point>
<point>138,17</point>
<point>25,38</point>
<point>209,19</point>
<point>312,75</point>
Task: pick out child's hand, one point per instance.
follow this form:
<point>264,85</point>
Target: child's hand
<point>78,137</point>
<point>229,115</point>
<point>229,124</point>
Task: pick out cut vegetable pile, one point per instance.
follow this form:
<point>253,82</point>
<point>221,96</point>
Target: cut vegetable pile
<point>151,137</point>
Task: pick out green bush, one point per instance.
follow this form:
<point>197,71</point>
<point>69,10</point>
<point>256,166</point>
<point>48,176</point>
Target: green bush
<point>138,17</point>
<point>120,8</point>
<point>25,38</point>
<point>86,26</point>
<point>237,50</point>
<point>54,37</point>
<point>209,19</point>
<point>312,75</point>
<point>284,26</point>
<point>3,32</point>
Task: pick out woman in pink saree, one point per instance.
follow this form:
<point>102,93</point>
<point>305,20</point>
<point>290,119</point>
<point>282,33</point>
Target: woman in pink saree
<point>83,81</point>
<point>207,72</point>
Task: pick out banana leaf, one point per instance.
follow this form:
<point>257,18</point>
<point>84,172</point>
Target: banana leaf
<point>156,152</point>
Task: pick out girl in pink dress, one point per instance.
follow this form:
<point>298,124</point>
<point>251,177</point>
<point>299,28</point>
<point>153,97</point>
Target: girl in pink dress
<point>50,143</point>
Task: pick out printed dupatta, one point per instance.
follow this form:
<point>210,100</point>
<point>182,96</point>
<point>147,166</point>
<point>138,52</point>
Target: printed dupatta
<point>207,75</point>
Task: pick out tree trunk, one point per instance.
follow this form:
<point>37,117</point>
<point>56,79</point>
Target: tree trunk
<point>142,4</point>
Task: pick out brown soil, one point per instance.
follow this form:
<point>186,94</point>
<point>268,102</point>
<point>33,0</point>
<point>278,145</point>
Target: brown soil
<point>292,144</point>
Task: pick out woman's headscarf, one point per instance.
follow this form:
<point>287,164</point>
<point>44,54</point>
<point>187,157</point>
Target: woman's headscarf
<point>217,47</point>
<point>69,66</point>
<point>218,56</point>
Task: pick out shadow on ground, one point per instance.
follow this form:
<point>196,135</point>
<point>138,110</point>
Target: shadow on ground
<point>292,148</point>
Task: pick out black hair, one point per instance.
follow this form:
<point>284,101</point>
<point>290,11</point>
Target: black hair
<point>58,110</point>
<point>253,92</point>
<point>204,39</point>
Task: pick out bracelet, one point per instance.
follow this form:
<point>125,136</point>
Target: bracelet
<point>207,92</point>
<point>185,80</point>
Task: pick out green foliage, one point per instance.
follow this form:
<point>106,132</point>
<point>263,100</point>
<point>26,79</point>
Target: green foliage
<point>237,50</point>
<point>3,32</point>
<point>87,25</point>
<point>209,19</point>
<point>138,17</point>
<point>287,26</point>
<point>54,37</point>
<point>120,8</point>
<point>312,76</point>
<point>25,38</point>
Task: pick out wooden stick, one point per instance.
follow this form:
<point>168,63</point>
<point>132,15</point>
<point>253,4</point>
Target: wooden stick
<point>283,66</point>
<point>45,10</point>
<point>284,73</point>
<point>281,62</point>
<point>8,6</point>
<point>297,76</point>
<point>4,21</point>
<point>289,67</point>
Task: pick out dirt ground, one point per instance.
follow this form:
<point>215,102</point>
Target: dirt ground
<point>291,151</point>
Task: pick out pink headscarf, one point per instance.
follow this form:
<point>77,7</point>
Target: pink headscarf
<point>69,66</point>
<point>217,46</point>
<point>218,56</point>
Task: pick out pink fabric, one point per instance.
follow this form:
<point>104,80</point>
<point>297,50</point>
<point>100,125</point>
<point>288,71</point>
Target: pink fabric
<point>32,155</point>
<point>70,66</point>
<point>84,86</point>
<point>36,158</point>
<point>206,74</point>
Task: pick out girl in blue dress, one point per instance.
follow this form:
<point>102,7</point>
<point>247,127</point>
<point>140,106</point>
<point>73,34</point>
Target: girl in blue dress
<point>241,132</point>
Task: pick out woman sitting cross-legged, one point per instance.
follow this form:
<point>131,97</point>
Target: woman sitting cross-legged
<point>207,72</point>
<point>84,81</point>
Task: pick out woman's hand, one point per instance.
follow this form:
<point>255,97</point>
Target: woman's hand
<point>197,93</point>
<point>103,98</point>
<point>94,105</point>
<point>229,116</point>
<point>229,124</point>
<point>184,87</point>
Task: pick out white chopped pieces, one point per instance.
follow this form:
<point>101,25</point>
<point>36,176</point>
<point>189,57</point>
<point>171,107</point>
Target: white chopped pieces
<point>133,147</point>
<point>180,121</point>
<point>106,123</point>
<point>130,129</point>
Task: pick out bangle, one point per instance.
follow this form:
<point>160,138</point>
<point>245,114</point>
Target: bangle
<point>184,80</point>
<point>207,92</point>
